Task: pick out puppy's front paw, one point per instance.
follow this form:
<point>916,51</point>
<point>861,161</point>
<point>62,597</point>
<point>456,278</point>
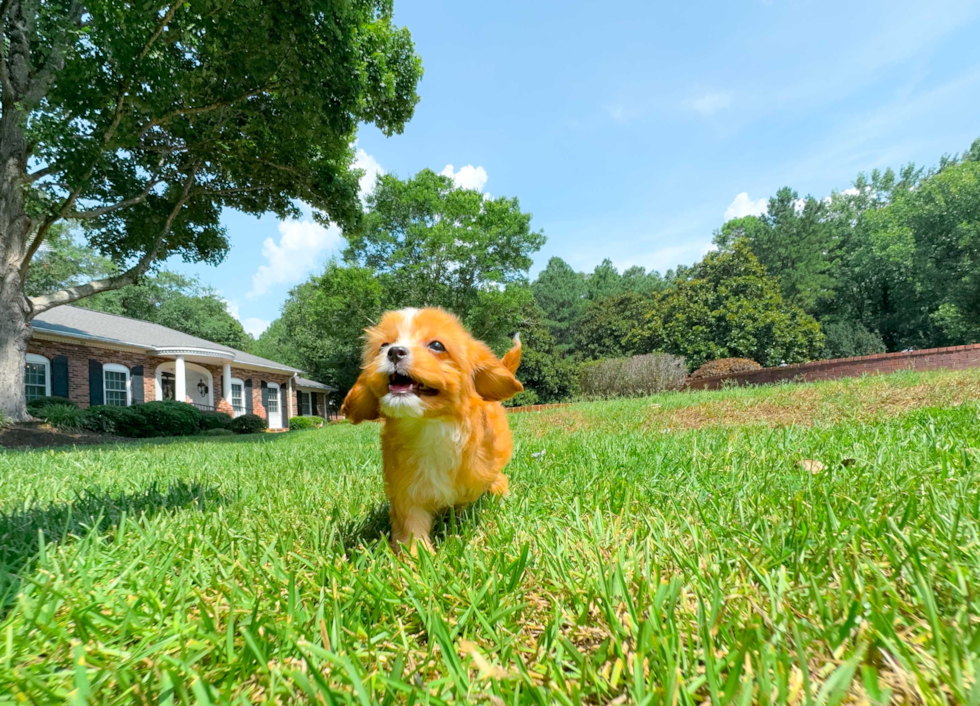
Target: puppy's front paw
<point>500,486</point>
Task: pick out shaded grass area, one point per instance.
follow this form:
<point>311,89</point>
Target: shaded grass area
<point>631,564</point>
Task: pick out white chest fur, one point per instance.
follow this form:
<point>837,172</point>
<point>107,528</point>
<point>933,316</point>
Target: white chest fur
<point>433,456</point>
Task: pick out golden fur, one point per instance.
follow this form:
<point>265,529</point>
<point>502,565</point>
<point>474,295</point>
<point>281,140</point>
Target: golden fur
<point>445,440</point>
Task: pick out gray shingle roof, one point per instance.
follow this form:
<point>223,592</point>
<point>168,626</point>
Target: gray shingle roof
<point>77,322</point>
<point>304,382</point>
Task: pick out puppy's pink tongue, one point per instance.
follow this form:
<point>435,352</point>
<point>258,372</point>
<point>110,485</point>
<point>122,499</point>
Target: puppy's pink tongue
<point>400,387</point>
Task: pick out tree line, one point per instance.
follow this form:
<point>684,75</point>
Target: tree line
<point>888,264</point>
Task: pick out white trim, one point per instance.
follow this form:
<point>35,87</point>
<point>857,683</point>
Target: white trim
<point>191,350</point>
<point>35,359</point>
<point>170,367</point>
<point>275,386</point>
<point>231,396</point>
<point>117,368</point>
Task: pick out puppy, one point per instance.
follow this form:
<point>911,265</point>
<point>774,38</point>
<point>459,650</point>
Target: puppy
<point>445,440</point>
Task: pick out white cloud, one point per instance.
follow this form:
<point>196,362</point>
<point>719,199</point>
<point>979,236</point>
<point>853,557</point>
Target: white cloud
<point>620,113</point>
<point>372,170</point>
<point>744,206</point>
<point>853,191</point>
<point>232,307</point>
<point>710,103</point>
<point>255,326</point>
<point>300,248</point>
<point>468,177</point>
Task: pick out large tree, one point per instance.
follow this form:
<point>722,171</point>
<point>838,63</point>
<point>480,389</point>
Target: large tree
<point>606,327</point>
<point>795,243</point>
<point>914,264</point>
<point>436,244</point>
<point>142,121</point>
<point>323,321</point>
<point>727,306</point>
<point>561,295</point>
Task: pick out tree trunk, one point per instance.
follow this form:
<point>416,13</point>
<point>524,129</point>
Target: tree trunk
<point>15,330</point>
<point>15,224</point>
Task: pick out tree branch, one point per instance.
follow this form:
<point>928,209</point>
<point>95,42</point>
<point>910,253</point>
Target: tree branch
<point>40,174</point>
<point>44,302</point>
<point>55,62</point>
<point>163,119</point>
<point>96,212</point>
<point>106,137</point>
<point>164,21</point>
<point>226,192</point>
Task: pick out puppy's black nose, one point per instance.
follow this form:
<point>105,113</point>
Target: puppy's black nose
<point>396,353</point>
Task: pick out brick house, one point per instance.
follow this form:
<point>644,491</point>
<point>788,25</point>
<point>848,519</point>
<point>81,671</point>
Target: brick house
<point>95,358</point>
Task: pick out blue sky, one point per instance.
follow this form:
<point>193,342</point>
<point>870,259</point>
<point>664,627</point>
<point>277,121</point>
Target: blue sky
<point>630,130</point>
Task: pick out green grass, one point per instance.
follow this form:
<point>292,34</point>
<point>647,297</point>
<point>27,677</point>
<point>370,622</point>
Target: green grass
<point>666,550</point>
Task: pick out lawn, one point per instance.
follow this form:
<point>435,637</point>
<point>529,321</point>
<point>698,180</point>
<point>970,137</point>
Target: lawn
<point>670,550</point>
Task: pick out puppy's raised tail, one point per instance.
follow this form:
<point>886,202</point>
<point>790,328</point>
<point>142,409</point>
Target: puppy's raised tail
<point>512,358</point>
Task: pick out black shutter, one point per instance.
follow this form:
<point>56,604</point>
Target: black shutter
<point>136,381</point>
<point>265,396</point>
<point>247,394</point>
<point>59,376</point>
<point>315,407</point>
<point>95,383</point>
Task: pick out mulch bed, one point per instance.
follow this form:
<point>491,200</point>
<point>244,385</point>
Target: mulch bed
<point>38,435</point>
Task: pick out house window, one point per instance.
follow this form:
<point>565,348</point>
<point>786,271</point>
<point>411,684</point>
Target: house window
<point>37,377</point>
<point>115,381</point>
<point>305,404</point>
<point>273,400</point>
<point>237,397</point>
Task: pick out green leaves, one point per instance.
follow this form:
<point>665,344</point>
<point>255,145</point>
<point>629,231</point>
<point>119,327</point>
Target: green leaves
<point>164,114</point>
<point>726,306</point>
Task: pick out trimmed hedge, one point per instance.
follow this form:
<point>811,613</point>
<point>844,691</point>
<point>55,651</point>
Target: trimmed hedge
<point>725,366</point>
<point>305,423</point>
<point>217,431</point>
<point>214,420</point>
<point>169,418</point>
<point>109,419</point>
<point>36,406</point>
<point>249,424</point>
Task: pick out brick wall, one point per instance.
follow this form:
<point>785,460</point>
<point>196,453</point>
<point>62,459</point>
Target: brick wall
<point>78,384</point>
<point>951,358</point>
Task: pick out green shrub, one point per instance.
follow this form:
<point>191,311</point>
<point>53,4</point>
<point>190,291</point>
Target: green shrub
<point>847,339</point>
<point>65,417</point>
<point>168,418</point>
<point>523,399</point>
<point>36,406</point>
<point>296,423</point>
<point>633,377</point>
<point>249,424</point>
<point>217,431</point>
<point>214,420</point>
<point>5,421</point>
<point>109,419</point>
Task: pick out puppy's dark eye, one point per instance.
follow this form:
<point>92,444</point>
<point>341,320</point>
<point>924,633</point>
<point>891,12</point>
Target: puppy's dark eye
<point>437,347</point>
<point>384,345</point>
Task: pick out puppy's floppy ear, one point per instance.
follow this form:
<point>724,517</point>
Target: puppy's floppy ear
<point>492,379</point>
<point>360,404</point>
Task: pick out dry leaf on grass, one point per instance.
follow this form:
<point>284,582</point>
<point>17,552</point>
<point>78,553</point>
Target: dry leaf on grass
<point>811,465</point>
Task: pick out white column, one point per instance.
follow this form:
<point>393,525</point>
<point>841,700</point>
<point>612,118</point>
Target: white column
<point>289,407</point>
<point>226,382</point>
<point>180,380</point>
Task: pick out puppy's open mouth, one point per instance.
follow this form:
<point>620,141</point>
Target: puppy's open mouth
<point>399,384</point>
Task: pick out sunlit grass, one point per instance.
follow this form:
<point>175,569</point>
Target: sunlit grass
<point>637,561</point>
